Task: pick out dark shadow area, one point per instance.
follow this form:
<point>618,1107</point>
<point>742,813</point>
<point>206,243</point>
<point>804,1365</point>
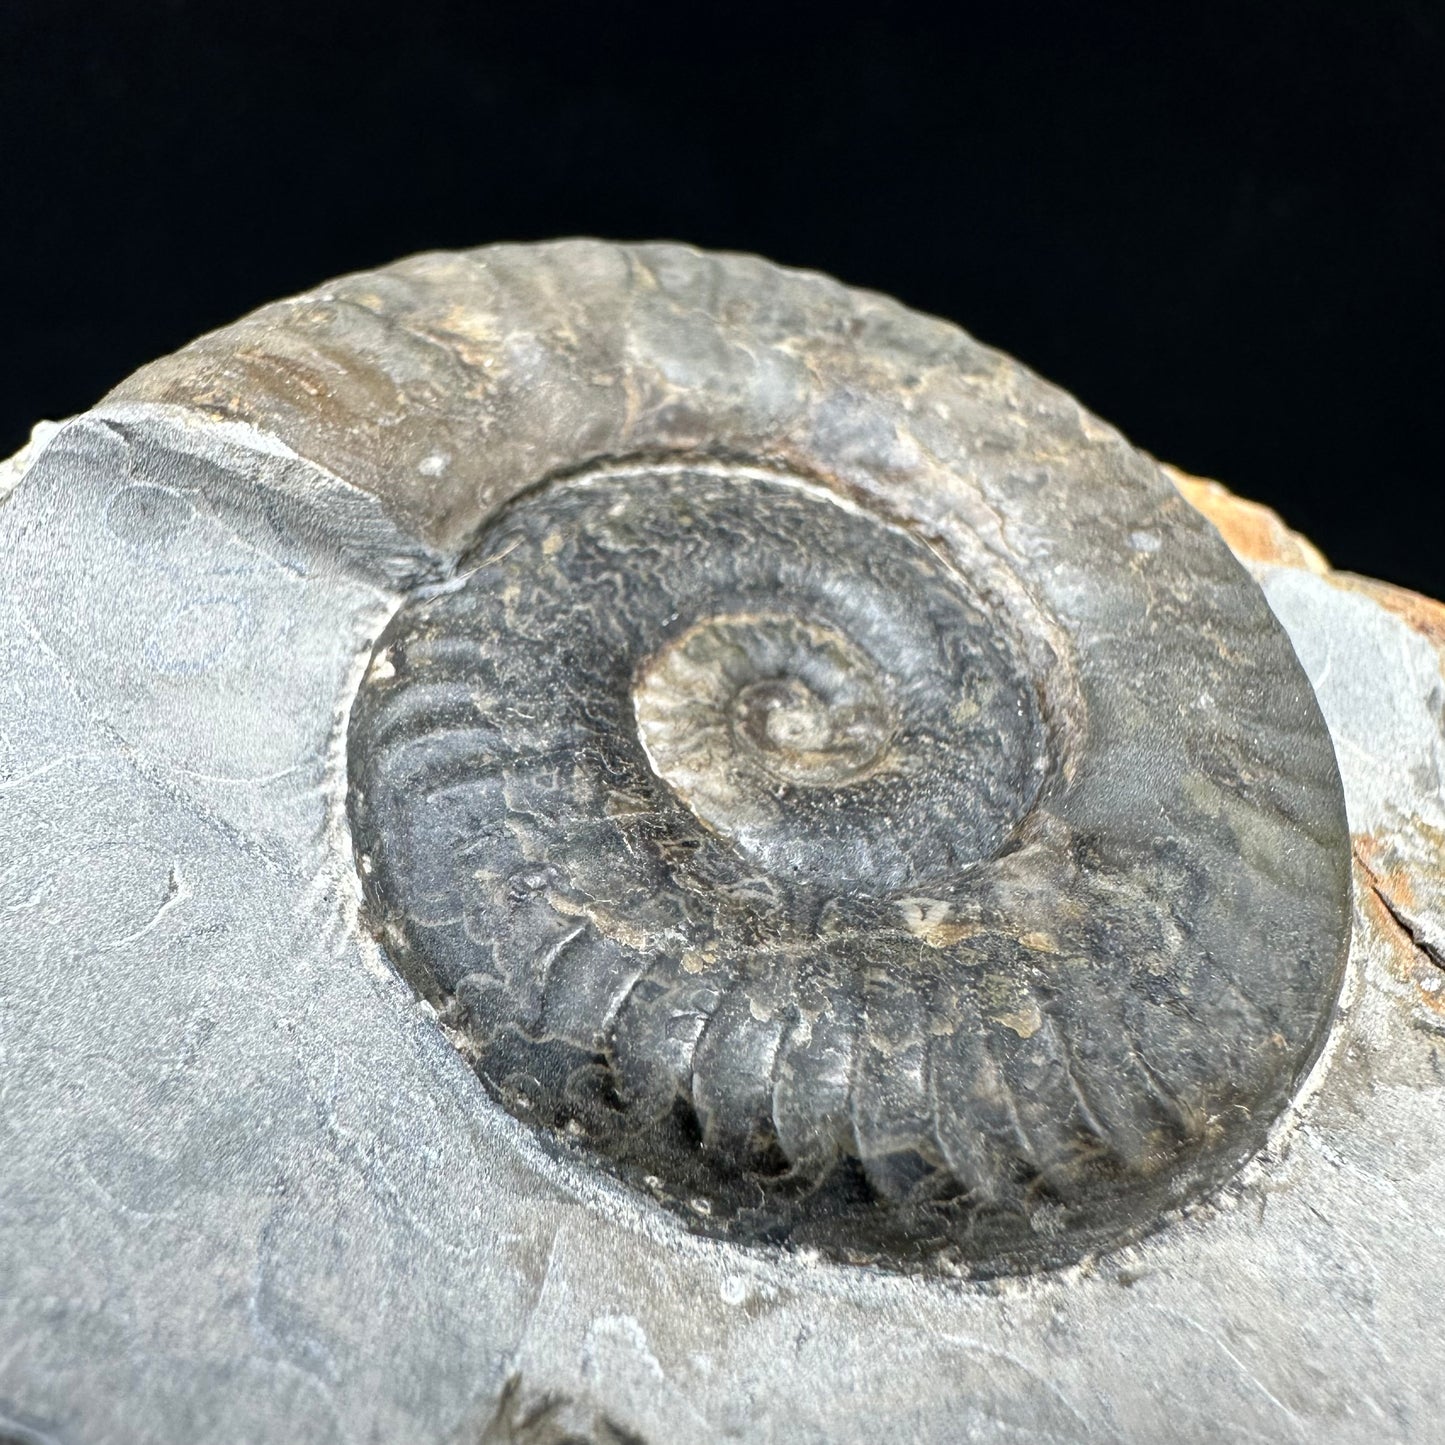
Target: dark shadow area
<point>1220,226</point>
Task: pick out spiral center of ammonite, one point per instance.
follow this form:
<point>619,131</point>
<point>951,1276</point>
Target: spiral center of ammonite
<point>761,700</point>
<point>807,739</point>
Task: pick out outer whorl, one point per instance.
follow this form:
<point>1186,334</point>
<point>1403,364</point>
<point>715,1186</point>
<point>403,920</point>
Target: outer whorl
<point>838,783</point>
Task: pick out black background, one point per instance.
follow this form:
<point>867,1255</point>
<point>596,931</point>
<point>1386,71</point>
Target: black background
<point>1218,224</point>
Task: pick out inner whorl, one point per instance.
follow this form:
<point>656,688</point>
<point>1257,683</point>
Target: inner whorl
<point>727,822</point>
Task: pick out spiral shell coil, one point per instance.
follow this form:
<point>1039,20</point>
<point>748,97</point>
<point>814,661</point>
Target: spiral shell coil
<point>831,779</point>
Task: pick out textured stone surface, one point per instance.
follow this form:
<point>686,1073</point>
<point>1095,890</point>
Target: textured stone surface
<point>251,1189</point>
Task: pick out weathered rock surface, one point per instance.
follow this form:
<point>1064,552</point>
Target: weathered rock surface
<point>247,1190</point>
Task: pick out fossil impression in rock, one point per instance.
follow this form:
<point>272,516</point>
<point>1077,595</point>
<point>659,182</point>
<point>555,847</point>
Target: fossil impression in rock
<point>824,776</point>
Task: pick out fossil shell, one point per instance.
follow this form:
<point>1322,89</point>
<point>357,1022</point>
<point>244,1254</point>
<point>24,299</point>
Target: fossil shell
<point>831,778</point>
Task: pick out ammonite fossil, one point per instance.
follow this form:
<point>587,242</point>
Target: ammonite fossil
<point>827,778</point>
